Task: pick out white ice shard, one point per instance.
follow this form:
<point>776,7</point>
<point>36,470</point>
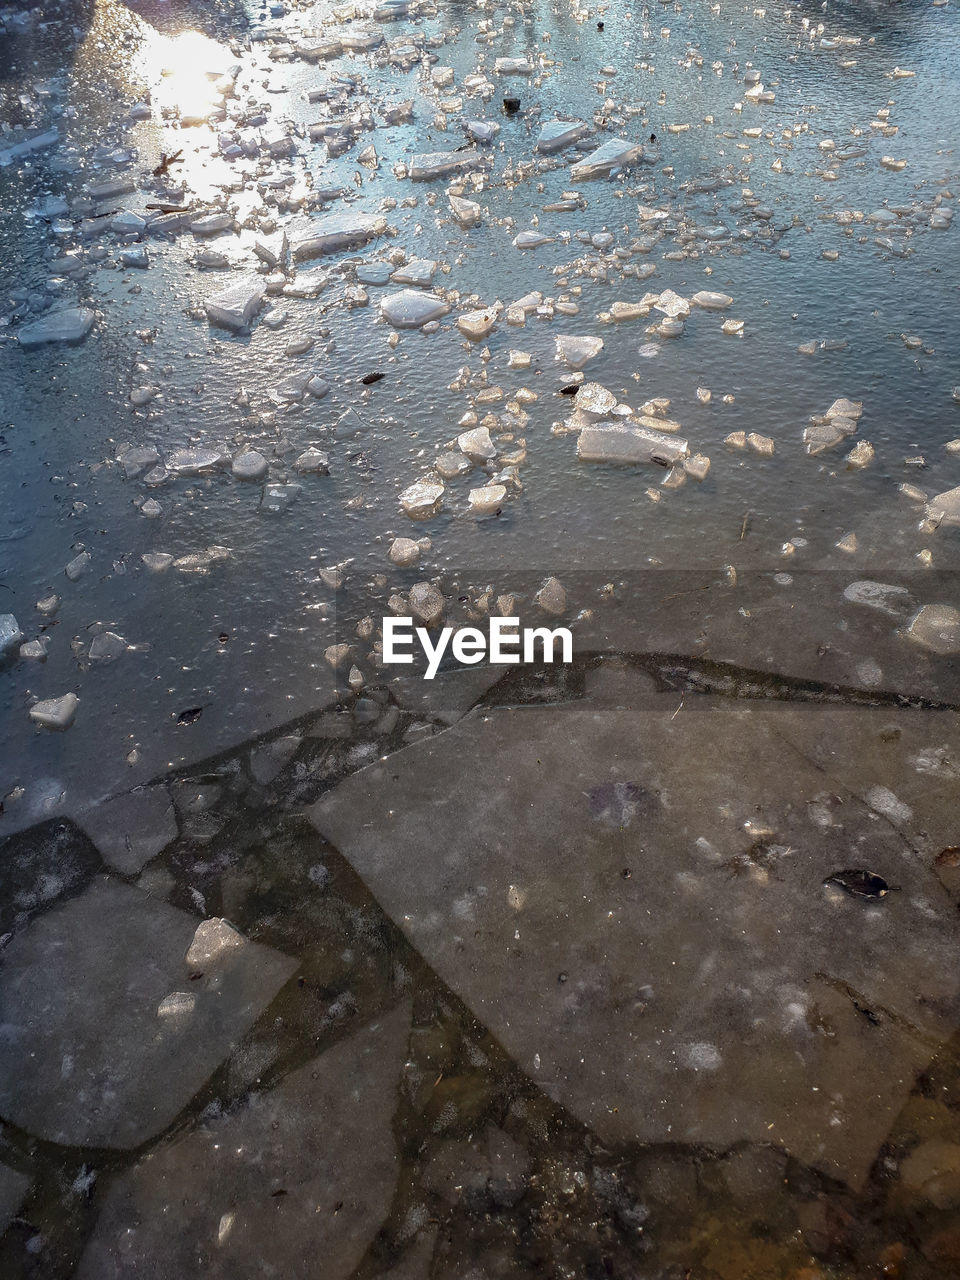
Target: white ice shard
<point>71,325</point>
<point>576,351</point>
<point>235,307</point>
<point>411,309</point>
<point>337,231</point>
<point>614,154</point>
<point>623,442</point>
<point>558,134</point>
<point>438,164</point>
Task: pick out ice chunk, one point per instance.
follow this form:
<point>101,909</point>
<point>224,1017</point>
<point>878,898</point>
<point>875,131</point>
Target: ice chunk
<point>482,130</point>
<point>55,713</point>
<point>944,508</point>
<point>337,231</point>
<point>438,164</point>
<point>531,240</point>
<point>576,351</point>
<point>937,628</point>
<point>552,597</point>
<point>466,212</point>
<point>487,499</point>
<point>410,309</point>
<point>426,603</point>
<point>418,272</point>
<point>277,498</point>
<point>10,634</point>
<point>623,442</point>
<point>107,647</point>
<point>594,400</point>
<point>883,596</point>
<point>477,445</point>
<point>558,134</point>
<point>861,455</point>
<point>422,500</point>
<point>404,552</point>
<point>478,324</point>
<point>71,325</point>
<point>614,154</point>
<point>312,461</point>
<point>235,307</point>
<point>711,301</point>
<point>193,462</point>
<point>513,66</point>
<point>249,465</point>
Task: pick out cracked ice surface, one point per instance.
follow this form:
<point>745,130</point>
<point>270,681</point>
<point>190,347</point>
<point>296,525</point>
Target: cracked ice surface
<point>309,1166</point>
<point>86,1002</point>
<point>701,955</point>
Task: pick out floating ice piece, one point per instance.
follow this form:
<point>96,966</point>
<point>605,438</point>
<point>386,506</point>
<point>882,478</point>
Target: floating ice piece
<point>212,224</point>
<point>78,566</point>
<point>884,596</point>
<point>249,465</point>
<point>426,603</point>
<point>761,444</point>
<point>466,212</point>
<point>486,500</point>
<point>513,67</point>
<point>404,552</point>
<point>822,436</point>
<point>558,134</point>
<point>422,500</point>
<point>937,628</point>
<point>55,713</point>
<point>477,445</point>
<point>411,309</point>
<point>845,409</point>
<point>732,328</point>
<point>71,325</point>
<point>861,455</point>
<point>277,498</point>
<point>337,231</point>
<point>478,324</point>
<point>614,154</point>
<point>697,466</point>
<point>10,634</point>
<point>26,145</point>
<point>107,647</point>
<point>193,462</point>
<point>576,351</point>
<point>438,164</point>
<point>711,301</point>
<point>312,461</point>
<point>235,307</point>
<point>944,508</point>
<point>482,130</point>
<point>594,400</point>
<point>419,272</point>
<point>623,442</point>
<point>531,240</point>
<point>552,597</point>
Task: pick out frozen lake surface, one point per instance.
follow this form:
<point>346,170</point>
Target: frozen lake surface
<point>639,321</point>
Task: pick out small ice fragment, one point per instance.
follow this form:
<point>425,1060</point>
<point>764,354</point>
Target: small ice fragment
<point>55,713</point>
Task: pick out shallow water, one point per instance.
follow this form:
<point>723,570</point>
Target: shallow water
<point>654,1118</point>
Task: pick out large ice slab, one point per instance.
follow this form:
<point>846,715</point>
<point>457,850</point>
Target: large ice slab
<point>713,987</point>
<point>70,326</point>
<point>131,829</point>
<point>301,1174</point>
<point>337,231</point>
<point>623,442</point>
<point>439,164</point>
<point>615,154</point>
<point>118,1007</point>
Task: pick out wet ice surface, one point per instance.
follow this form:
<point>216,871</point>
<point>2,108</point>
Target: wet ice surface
<point>643,322</point>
